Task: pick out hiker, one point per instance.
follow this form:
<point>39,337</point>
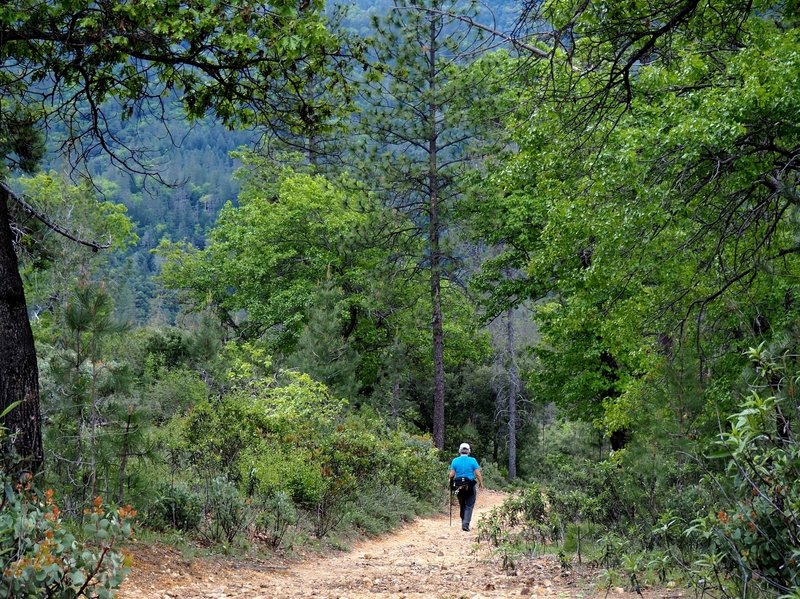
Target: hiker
<point>464,473</point>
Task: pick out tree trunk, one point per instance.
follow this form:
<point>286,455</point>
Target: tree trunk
<point>123,458</point>
<point>433,240</point>
<point>438,359</point>
<point>19,373</point>
<point>513,393</point>
<point>396,404</point>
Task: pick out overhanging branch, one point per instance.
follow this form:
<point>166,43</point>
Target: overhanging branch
<point>50,225</point>
<point>495,32</point>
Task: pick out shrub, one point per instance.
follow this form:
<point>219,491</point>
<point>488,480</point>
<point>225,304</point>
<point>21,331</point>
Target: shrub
<point>288,437</point>
<point>411,463</point>
<point>229,513</point>
<point>277,514</point>
<point>751,536</point>
<point>522,519</point>
<point>379,511</point>
<point>175,507</point>
<point>42,558</point>
<point>493,478</point>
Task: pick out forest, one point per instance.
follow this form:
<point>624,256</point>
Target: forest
<point>265,264</point>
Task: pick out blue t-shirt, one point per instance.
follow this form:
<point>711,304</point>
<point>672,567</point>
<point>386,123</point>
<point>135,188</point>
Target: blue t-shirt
<point>465,465</point>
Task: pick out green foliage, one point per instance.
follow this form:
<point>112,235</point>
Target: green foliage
<point>270,254</point>
<point>40,557</point>
<point>287,439</point>
<point>322,351</point>
<point>82,65</point>
<point>418,147</point>
<point>173,392</point>
<point>522,520</point>
<point>169,346</point>
<point>49,262</point>
<point>189,52</point>
<point>645,208</point>
<point>95,425</point>
<point>380,510</point>
<point>229,513</point>
<point>411,463</point>
<point>638,247</point>
<point>644,221</point>
<point>314,268</point>
<point>21,143</point>
<point>277,514</point>
<point>629,510</point>
<point>175,506</point>
<point>493,477</point>
<point>754,530</point>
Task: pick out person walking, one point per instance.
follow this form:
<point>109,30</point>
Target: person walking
<point>465,472</point>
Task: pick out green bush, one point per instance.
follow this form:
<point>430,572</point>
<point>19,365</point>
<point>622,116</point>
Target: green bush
<point>630,494</point>
<point>173,392</point>
<point>521,519</point>
<point>411,463</point>
<point>379,511</point>
<point>229,513</point>
<point>277,514</point>
<point>493,478</point>
<point>287,437</point>
<point>753,536</point>
<point>175,507</point>
<point>270,468</point>
<point>40,557</point>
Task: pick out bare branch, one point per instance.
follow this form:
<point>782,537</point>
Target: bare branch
<point>519,44</point>
<point>53,226</point>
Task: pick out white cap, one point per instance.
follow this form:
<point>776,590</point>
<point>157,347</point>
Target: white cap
<point>464,448</point>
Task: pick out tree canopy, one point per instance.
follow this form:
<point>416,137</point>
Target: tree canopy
<point>77,64</point>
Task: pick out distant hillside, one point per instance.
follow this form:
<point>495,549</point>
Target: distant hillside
<point>195,160</point>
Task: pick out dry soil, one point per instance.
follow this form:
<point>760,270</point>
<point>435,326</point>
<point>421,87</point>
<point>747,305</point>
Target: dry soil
<point>426,558</point>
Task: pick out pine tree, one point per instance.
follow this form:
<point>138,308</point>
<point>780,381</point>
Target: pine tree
<point>89,432</point>
<point>417,139</point>
<point>322,350</point>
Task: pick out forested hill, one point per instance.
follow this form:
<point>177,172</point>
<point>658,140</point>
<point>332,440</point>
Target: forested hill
<point>194,160</point>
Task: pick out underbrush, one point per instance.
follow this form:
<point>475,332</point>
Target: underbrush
<point>280,464</point>
<point>534,521</point>
<point>723,523</point>
<point>714,509</point>
<point>270,466</point>
<point>381,510</point>
<point>43,555</point>
<point>278,526</point>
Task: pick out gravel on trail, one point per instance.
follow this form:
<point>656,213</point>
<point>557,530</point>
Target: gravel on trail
<point>427,558</point>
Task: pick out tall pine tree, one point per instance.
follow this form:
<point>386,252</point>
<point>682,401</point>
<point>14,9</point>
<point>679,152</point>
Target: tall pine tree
<point>418,142</point>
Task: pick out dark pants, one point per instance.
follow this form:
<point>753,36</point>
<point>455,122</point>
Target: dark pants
<point>466,502</point>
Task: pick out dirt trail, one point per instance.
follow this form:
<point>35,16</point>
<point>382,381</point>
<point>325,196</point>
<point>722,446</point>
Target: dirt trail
<point>427,558</point>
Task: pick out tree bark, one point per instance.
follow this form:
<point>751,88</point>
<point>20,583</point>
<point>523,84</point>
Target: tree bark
<point>19,372</point>
<point>513,393</point>
<point>433,240</point>
<point>396,404</point>
<point>123,459</point>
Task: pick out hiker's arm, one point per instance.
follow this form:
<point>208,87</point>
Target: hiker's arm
<point>451,474</point>
<point>479,476</point>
